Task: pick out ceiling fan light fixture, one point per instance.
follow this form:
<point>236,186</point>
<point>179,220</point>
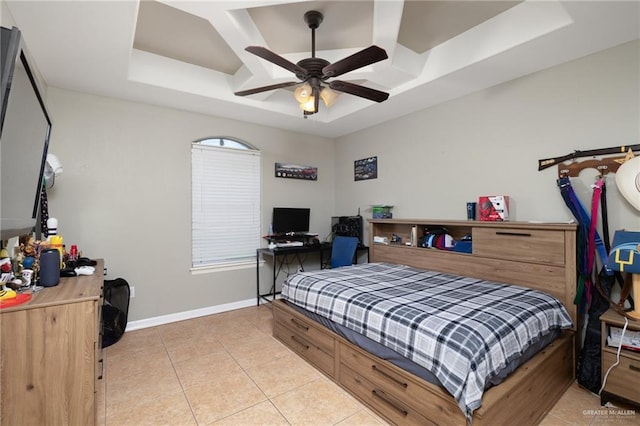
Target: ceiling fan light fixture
<point>313,73</point>
<point>308,105</point>
<point>328,96</point>
<point>302,93</point>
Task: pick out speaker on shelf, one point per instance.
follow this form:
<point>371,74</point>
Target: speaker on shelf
<point>347,226</point>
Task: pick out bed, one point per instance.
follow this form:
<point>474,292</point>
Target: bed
<point>390,355</point>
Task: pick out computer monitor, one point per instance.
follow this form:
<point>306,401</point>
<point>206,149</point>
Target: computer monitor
<point>288,219</point>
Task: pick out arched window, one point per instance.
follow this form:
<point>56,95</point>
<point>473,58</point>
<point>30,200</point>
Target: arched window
<point>225,202</point>
<point>225,143</point>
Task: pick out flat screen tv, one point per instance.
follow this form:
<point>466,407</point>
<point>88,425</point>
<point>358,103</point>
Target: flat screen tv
<point>288,220</point>
<point>24,138</point>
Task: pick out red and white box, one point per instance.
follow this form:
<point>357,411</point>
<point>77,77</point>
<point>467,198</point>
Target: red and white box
<point>493,208</point>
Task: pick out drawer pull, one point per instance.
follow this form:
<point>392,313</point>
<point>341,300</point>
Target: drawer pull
<point>634,367</point>
<point>297,324</point>
<point>101,362</point>
<point>389,376</point>
<point>304,345</point>
<point>384,398</point>
<point>513,234</point>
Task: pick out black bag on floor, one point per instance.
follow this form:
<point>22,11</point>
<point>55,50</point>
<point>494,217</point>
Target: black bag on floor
<point>115,310</point>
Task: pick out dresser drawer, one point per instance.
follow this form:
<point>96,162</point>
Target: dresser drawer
<point>379,400</point>
<point>396,384</point>
<point>298,334</point>
<point>530,245</point>
<point>302,326</point>
<point>624,378</point>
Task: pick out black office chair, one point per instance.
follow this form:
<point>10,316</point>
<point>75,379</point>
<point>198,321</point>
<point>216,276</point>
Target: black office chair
<point>343,251</point>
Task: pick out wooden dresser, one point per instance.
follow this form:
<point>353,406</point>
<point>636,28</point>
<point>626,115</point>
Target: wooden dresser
<point>51,355</point>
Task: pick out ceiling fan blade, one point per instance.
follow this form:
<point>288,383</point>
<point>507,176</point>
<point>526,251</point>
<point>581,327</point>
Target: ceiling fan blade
<point>274,58</point>
<point>368,56</point>
<point>265,88</point>
<point>357,90</point>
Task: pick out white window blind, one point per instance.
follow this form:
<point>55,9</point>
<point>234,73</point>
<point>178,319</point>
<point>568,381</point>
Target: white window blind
<point>225,205</point>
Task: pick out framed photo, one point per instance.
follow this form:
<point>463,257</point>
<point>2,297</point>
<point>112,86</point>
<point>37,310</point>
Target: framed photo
<point>365,169</point>
<point>295,171</point>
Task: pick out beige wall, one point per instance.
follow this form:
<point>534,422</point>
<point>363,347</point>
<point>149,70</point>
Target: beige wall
<point>7,21</point>
<point>432,162</point>
<point>125,195</point>
<point>125,191</point>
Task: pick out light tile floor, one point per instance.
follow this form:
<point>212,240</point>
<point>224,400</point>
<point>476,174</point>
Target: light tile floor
<point>227,369</point>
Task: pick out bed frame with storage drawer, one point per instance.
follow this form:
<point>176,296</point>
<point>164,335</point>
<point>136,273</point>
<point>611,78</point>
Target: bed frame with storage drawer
<point>539,256</point>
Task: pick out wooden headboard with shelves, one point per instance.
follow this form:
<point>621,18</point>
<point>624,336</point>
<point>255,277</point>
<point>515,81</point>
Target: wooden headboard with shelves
<point>534,255</point>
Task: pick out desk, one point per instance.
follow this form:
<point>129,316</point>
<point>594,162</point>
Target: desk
<point>284,253</point>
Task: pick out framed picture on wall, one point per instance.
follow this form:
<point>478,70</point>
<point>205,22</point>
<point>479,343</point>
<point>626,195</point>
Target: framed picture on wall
<point>365,169</point>
<point>295,171</point>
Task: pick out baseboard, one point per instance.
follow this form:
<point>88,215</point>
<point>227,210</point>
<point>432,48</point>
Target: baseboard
<point>181,316</point>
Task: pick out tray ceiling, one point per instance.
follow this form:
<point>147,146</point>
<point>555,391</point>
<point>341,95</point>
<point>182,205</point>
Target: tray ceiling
<point>190,54</point>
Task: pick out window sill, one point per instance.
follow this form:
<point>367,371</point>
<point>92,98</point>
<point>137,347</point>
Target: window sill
<point>223,266</point>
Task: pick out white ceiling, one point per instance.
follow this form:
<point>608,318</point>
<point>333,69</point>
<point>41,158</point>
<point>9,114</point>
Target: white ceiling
<point>190,54</point>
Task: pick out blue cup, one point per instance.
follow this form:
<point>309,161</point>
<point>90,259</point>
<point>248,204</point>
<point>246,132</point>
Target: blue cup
<point>471,211</point>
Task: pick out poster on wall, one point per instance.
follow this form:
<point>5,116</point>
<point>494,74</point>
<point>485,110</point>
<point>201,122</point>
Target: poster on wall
<point>295,171</point>
<point>364,169</point>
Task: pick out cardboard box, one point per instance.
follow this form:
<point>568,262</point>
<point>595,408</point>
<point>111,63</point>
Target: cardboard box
<point>493,208</point>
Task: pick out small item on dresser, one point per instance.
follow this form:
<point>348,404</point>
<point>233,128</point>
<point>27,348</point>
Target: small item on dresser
<point>49,267</point>
<point>380,211</point>
<point>414,236</point>
<point>7,294</point>
<point>85,261</point>
<point>68,272</point>
<point>73,254</point>
<point>380,240</point>
<point>81,261</point>
<point>5,265</point>
<point>85,270</point>
<point>52,226</point>
<point>437,237</point>
<point>28,262</point>
<point>55,241</point>
<point>471,210</point>
<point>15,284</point>
<point>493,208</point>
<point>27,276</point>
<point>19,299</point>
<point>464,245</point>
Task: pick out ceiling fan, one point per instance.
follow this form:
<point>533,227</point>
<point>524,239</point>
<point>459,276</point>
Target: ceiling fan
<point>313,72</point>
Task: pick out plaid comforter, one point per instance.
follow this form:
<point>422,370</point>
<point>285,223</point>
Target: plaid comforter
<point>463,330</point>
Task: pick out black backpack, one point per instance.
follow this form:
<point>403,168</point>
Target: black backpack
<point>115,310</point>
